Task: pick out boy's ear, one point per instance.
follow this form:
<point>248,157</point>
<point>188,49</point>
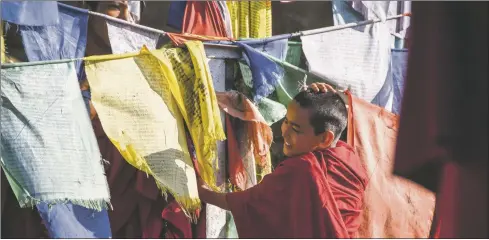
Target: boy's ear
<point>327,139</point>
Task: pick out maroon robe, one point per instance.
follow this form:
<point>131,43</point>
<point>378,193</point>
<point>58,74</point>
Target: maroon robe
<point>316,195</point>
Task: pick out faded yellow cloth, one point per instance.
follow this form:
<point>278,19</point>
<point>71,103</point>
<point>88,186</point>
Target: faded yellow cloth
<point>192,87</point>
<point>2,44</point>
<point>139,114</point>
<point>251,19</point>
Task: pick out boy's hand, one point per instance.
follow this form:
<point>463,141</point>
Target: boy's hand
<point>321,87</point>
<point>208,196</point>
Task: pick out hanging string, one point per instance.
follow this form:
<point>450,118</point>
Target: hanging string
<point>34,63</point>
<point>125,55</point>
<point>348,25</point>
<point>221,44</point>
<point>252,41</point>
<point>110,18</point>
<point>313,31</point>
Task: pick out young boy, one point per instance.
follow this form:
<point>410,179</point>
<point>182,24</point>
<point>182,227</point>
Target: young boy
<point>317,191</point>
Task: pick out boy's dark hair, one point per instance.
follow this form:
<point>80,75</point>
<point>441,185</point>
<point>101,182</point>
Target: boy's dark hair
<point>328,111</point>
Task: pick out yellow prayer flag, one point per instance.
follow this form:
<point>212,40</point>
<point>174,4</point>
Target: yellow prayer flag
<point>2,44</point>
<point>143,101</point>
<point>251,19</point>
<point>140,116</point>
<point>191,84</point>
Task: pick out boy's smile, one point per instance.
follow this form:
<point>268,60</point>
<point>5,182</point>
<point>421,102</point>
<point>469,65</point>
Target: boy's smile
<point>298,134</point>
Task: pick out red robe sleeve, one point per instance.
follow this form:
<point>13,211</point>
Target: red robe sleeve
<point>295,201</point>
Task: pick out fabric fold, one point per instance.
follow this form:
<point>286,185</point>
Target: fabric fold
<point>250,19</point>
<point>249,139</point>
<point>226,17</point>
<point>285,78</point>
<point>145,124</point>
<point>329,208</point>
<point>191,85</point>
<point>393,207</point>
<point>135,197</point>
<point>204,18</point>
<point>266,74</point>
<point>64,40</point>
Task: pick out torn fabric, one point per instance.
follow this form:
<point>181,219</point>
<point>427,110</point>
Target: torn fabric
<point>271,110</point>
<point>287,83</point>
<point>145,123</point>
<point>266,74</point>
<point>38,101</point>
<point>65,40</point>
<point>135,197</point>
<point>192,87</point>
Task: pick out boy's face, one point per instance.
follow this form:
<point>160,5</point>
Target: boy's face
<point>298,133</point>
